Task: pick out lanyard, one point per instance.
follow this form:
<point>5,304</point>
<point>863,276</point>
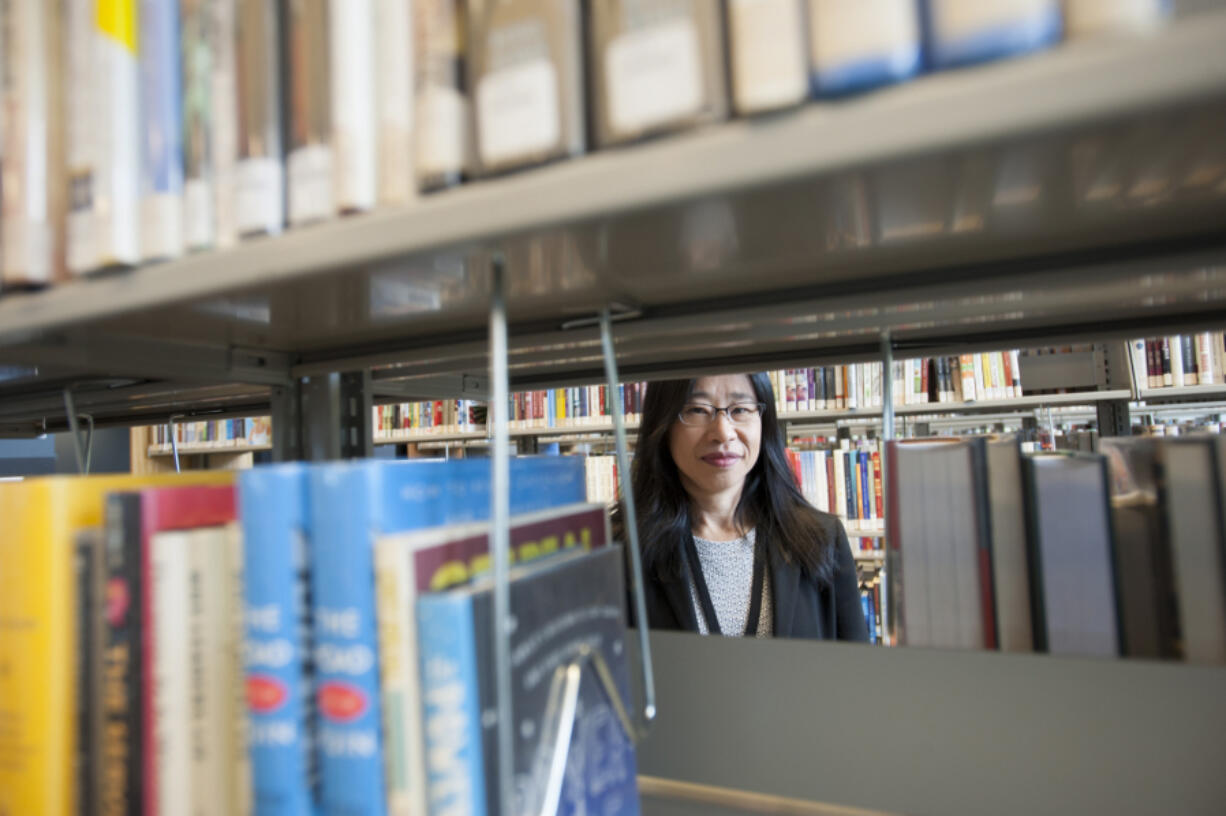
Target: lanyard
<point>704,596</point>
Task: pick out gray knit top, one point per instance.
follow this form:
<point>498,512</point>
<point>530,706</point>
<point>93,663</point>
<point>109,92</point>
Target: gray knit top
<point>727,567</point>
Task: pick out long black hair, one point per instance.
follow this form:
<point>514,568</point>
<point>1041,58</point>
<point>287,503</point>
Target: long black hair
<point>770,500</point>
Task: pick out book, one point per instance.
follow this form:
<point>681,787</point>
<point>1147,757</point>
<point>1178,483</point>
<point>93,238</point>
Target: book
<point>351,504</point>
<point>394,50</point>
<point>563,606</point>
<point>311,156</point>
<point>89,566</point>
<point>259,172</point>
<point>433,560</point>
<point>859,44</point>
<point>39,519</point>
<point>766,54</point>
<point>196,54</point>
<point>961,32</point>
<point>161,132</point>
<point>526,64</point>
<point>1089,18</point>
<point>223,117</point>
<point>1071,545</point>
<point>442,121</point>
<point>655,66</point>
<point>33,210</point>
<point>355,122</point>
<point>940,559</point>
<point>178,666</point>
<point>279,667</point>
<point>1170,561</point>
<point>103,136</point>
<point>1010,573</point>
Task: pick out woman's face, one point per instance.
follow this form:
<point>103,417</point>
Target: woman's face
<point>715,458</point>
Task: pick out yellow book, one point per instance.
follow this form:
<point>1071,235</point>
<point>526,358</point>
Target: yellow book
<point>39,520</point>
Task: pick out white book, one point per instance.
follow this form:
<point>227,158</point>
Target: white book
<point>1176,347</point>
<point>1088,18</point>
<point>856,43</point>
<point>840,487</point>
<point>822,486</point>
<point>178,650</point>
<point>223,113</point>
<point>32,134</point>
<point>394,80</point>
<point>259,172</point>
<point>980,383</point>
<point>355,124</point>
<point>1015,357</point>
<point>768,56</point>
<point>103,136</point>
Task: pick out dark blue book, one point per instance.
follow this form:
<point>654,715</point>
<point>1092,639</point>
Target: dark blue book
<point>561,606</point>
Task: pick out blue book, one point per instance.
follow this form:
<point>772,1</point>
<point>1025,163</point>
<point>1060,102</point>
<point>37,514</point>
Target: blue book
<point>870,616</point>
<point>866,484</point>
<point>561,605</point>
<point>862,45</point>
<point>273,504</point>
<point>161,105</point>
<point>352,504</point>
<point>963,32</point>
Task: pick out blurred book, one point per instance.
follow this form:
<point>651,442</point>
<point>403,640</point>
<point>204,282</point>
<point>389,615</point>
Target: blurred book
<point>960,32</point>
<point>442,123</point>
<point>161,131</point>
<point>767,54</point>
<point>354,77</point>
<point>859,44</point>
<point>311,157</point>
<point>259,173</point>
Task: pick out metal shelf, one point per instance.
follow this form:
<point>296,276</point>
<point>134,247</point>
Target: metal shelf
<point>206,448</point>
<point>1182,394</point>
<point>970,208</point>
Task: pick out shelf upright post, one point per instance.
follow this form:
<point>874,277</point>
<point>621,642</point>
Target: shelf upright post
<point>887,436</point>
<point>84,452</point>
<point>648,690</point>
<point>174,441</point>
<point>500,539</point>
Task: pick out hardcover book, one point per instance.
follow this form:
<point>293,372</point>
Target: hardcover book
<point>259,173</point>
<point>859,44</point>
<point>767,54</point>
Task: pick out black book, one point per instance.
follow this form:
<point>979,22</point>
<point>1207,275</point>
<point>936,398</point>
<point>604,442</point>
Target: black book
<point>819,382</point>
<point>1073,581</point>
<point>1188,349</point>
<point>90,573</point>
<point>831,398</point>
<point>123,709</point>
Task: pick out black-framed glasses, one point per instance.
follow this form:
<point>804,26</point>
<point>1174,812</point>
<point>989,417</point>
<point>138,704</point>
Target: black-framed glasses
<point>738,413</point>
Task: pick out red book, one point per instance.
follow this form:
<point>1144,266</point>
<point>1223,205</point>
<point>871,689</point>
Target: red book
<point>1007,364</point>
<point>794,463</point>
<point>830,487</point>
<point>132,520</point>
<point>878,502</point>
<point>924,364</point>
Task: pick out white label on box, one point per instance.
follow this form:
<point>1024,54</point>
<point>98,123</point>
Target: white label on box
<point>517,112</point>
<point>258,196</point>
<point>311,185</point>
<point>198,213</point>
<point>441,132</point>
<point>846,33</point>
<point>768,58</point>
<point>653,76</point>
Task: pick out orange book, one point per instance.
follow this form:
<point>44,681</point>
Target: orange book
<point>39,520</point>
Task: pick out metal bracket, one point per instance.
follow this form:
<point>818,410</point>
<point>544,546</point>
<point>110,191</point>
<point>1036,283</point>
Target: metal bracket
<point>1113,418</point>
<point>174,438</point>
<point>85,452</point>
<point>560,715</point>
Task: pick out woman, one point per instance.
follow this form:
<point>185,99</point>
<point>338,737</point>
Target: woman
<point>729,544</point>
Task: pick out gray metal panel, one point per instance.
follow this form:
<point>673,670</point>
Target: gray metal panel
<point>938,732</point>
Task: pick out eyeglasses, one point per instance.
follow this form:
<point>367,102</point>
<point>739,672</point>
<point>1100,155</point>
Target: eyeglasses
<point>739,413</point>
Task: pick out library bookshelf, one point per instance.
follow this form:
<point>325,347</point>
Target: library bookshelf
<point>836,257</point>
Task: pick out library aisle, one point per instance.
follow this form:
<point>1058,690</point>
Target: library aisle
<point>328,339</point>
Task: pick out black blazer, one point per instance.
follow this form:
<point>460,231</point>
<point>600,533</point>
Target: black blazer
<point>803,608</point>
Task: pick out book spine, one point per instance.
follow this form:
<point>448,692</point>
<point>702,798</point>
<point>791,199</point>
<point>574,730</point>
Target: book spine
<point>1151,367</point>
<point>1164,349</point>
<point>355,121</point>
<point>768,54</point>
<point>90,571</point>
<point>832,498</point>
<point>1015,357</point>
<point>259,173</point>
<point>311,159</point>
<point>123,742</point>
<point>233,686</point>
<point>877,497</point>
<point>196,65</point>
<point>1205,359</point>
<point>398,667</point>
<point>866,494</point>
<point>161,109</point>
<point>1006,362</point>
<point>210,678</point>
<point>442,151</point>
<point>451,705</point>
<point>1175,352</point>
<point>223,122</point>
<point>968,378</point>
<point>346,658</point>
<point>278,685</point>
<point>394,79</point>
<point>852,505</point>
<point>1190,370</point>
<point>180,715</point>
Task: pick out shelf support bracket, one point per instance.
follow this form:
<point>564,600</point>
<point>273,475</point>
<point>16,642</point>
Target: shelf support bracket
<point>647,678</point>
<point>890,556</point>
<point>174,438</point>
<point>500,533</point>
<point>85,452</point>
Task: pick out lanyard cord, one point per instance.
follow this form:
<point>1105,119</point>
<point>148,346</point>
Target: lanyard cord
<point>704,595</point>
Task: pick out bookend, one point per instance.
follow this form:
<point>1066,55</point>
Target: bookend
<point>560,713</point>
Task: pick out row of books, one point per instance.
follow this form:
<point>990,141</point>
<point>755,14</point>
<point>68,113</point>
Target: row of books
<point>141,130</point>
<point>437,416</point>
<point>312,639</point>
<point>846,482</point>
<point>602,487</point>
<point>220,433</point>
<point>963,378</point>
<point>1179,360</point>
<point>1121,552</point>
